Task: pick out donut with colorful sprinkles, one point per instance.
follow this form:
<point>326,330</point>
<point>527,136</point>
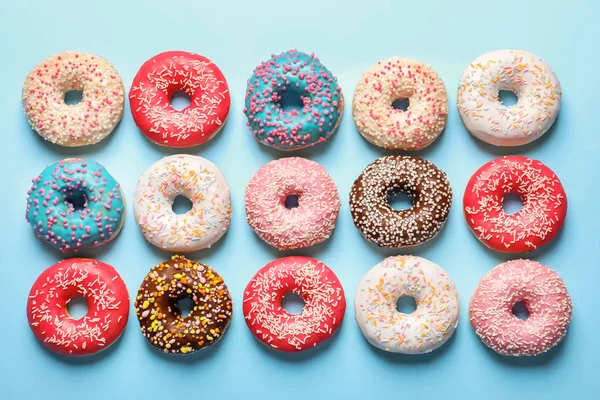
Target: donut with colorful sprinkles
<point>202,183</point>
<point>75,204</point>
<point>167,73</point>
<point>107,301</point>
<point>395,79</point>
<point>161,320</point>
<point>315,283</point>
<point>387,176</point>
<point>537,223</point>
<point>82,124</point>
<point>544,294</point>
<point>289,76</point>
<point>291,226</point>
<point>529,77</point>
<point>437,307</point>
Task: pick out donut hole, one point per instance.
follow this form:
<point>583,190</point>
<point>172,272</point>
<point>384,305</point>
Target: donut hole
<point>182,205</point>
<point>520,310</point>
<point>292,303</point>
<point>73,97</point>
<point>406,304</point>
<point>77,307</point>
<point>291,201</point>
<point>507,98</point>
<point>185,306</point>
<point>401,104</point>
<point>512,203</point>
<point>76,200</point>
<point>180,100</point>
<point>291,101</point>
<point>399,200</point>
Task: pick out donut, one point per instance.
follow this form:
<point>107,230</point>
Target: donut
<point>202,183</point>
<point>200,79</point>
<point>428,327</point>
<point>82,124</point>
<point>544,294</point>
<point>107,301</point>
<point>315,283</point>
<point>394,79</point>
<point>526,75</point>
<point>293,75</point>
<point>161,320</point>
<point>75,204</point>
<point>308,224</point>
<point>379,223</point>
<point>537,223</point>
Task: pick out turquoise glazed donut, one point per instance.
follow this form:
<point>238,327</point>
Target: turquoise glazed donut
<point>287,76</point>
<point>75,204</point>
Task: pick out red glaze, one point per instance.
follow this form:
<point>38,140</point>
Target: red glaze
<point>168,72</point>
<point>312,280</point>
<point>537,223</point>
<point>108,307</point>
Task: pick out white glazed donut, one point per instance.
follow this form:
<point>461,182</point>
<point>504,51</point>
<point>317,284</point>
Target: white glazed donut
<point>428,327</point>
<point>202,183</point>
<point>526,75</point>
<point>89,121</point>
<point>393,79</point>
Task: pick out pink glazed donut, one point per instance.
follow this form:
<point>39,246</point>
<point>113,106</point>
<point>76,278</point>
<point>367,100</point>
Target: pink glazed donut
<point>540,289</point>
<point>287,226</point>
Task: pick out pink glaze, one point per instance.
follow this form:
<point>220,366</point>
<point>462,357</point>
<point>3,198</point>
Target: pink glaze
<point>541,290</point>
<point>311,222</point>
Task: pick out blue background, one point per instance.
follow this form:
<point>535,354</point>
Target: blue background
<point>349,37</point>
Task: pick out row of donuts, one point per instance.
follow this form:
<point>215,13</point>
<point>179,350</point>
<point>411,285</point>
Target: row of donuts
<point>289,77</point>
<point>429,327</point>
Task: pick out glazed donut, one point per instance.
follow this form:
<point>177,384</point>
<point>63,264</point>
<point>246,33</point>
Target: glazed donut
<point>311,222</point>
<point>315,283</point>
<point>537,223</point>
<point>199,78</point>
<point>544,294</point>
<point>161,320</point>
<point>381,224</point>
<point>400,78</point>
<point>89,121</point>
<point>75,204</point>
<point>288,75</point>
<point>202,183</point>
<point>526,75</point>
<point>428,327</point>
<point>107,300</point>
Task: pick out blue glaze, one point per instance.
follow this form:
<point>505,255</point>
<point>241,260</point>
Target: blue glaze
<point>287,75</point>
<point>75,204</point>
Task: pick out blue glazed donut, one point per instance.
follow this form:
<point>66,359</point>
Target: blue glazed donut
<point>75,204</point>
<point>286,76</point>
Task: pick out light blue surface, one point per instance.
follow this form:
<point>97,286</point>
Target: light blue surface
<point>348,38</point>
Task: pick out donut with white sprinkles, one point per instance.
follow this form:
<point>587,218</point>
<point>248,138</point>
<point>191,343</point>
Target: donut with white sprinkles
<point>107,300</point>
<point>315,283</point>
<point>418,178</point>
<point>161,320</point>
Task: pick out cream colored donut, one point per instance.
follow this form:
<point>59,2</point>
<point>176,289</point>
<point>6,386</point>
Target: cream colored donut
<point>398,78</point>
<point>529,77</point>
<point>428,327</point>
<point>202,183</point>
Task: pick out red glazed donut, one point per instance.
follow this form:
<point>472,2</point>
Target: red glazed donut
<point>108,307</point>
<point>537,223</point>
<point>172,71</point>
<point>312,280</point>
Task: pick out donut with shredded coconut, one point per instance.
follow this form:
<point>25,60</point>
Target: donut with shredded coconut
<point>537,223</point>
<point>395,79</point>
<point>379,223</point>
<point>308,224</point>
<point>544,294</point>
<point>318,287</point>
<point>167,73</point>
<point>82,124</point>
<point>107,301</point>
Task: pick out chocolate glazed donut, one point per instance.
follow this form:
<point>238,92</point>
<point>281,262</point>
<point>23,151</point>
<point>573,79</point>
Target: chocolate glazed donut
<point>161,320</point>
<point>379,222</point>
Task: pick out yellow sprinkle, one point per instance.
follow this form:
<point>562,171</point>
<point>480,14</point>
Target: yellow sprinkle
<point>145,304</point>
<point>177,276</point>
<point>186,349</point>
